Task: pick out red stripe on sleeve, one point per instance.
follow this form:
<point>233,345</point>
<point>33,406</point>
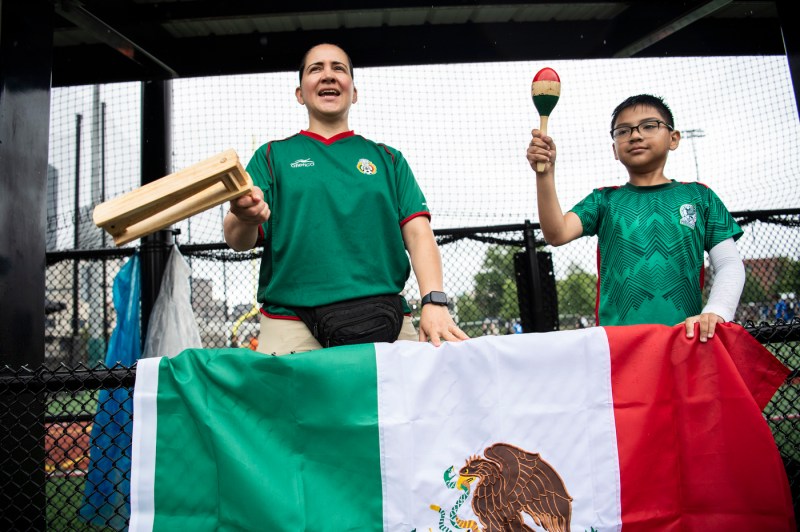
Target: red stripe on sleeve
<point>408,219</point>
<point>278,316</point>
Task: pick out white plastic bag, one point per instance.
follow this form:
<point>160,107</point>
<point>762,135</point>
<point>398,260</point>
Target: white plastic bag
<point>172,327</point>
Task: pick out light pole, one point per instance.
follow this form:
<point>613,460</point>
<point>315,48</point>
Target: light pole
<point>692,134</point>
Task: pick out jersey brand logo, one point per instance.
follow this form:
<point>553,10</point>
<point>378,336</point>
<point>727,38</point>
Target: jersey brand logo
<point>688,215</point>
<point>366,167</point>
<point>302,163</point>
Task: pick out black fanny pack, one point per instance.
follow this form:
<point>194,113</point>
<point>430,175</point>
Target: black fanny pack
<point>356,321</point>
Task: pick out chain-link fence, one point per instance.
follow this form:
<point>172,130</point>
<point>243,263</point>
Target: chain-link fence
<point>482,267</point>
<point>48,417</point>
<point>501,279</point>
<point>48,413</point>
<point>463,129</point>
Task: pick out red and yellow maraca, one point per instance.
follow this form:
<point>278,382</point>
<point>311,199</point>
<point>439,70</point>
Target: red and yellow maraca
<point>545,91</point>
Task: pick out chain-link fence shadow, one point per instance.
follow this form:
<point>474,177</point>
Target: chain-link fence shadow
<point>494,284</point>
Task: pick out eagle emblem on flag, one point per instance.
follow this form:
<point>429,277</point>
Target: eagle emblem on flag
<point>511,482</point>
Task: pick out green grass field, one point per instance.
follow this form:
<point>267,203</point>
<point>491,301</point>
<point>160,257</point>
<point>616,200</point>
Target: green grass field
<point>64,499</point>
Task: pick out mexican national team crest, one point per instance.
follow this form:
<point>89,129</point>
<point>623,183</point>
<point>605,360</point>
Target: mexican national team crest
<point>509,483</point>
<point>366,167</point>
<point>688,215</point>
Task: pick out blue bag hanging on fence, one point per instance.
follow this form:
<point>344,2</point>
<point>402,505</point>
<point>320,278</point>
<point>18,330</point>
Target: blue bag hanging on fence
<point>107,489</point>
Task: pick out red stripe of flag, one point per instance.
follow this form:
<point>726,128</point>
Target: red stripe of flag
<point>691,436</point>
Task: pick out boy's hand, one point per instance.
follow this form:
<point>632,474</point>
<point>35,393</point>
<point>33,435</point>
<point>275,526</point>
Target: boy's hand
<point>541,149</point>
<point>708,322</point>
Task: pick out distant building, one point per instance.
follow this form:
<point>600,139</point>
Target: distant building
<point>205,306</point>
<point>765,271</point>
<point>51,236</point>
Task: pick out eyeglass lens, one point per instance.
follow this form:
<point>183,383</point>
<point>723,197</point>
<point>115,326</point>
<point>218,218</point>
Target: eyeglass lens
<point>645,129</point>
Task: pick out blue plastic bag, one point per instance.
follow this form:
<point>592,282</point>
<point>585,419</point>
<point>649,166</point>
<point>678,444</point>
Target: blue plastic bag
<point>107,489</point>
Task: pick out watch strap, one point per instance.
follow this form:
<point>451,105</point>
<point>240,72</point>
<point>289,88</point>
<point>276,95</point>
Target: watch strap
<point>434,297</point>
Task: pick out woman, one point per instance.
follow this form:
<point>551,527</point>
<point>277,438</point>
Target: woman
<point>338,213</point>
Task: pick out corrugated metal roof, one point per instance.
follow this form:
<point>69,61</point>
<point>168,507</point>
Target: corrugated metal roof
<point>234,24</point>
<point>160,38</point>
<point>373,18</point>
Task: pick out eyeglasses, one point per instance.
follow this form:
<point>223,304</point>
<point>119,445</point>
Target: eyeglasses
<point>646,129</point>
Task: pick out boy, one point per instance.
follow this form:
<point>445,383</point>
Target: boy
<point>651,232</point>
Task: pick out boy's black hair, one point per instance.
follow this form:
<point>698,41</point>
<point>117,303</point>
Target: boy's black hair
<point>644,99</point>
<point>305,55</point>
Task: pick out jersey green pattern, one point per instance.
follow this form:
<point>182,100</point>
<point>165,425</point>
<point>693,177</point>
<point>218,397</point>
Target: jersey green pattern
<point>338,206</point>
<point>651,242</point>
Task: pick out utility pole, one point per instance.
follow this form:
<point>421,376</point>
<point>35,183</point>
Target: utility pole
<point>692,134</point>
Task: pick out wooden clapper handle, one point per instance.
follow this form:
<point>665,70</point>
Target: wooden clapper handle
<point>173,198</point>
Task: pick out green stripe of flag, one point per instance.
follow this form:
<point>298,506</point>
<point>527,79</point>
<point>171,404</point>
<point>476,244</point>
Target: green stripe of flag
<point>314,445</point>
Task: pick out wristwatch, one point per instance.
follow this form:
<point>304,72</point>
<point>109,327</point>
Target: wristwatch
<point>436,298</point>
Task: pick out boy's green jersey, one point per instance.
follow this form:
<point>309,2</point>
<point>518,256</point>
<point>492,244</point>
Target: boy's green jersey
<point>651,241</point>
<point>338,206</point>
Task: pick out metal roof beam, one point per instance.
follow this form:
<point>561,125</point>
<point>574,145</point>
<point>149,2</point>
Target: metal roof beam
<point>672,27</point>
<point>75,12</point>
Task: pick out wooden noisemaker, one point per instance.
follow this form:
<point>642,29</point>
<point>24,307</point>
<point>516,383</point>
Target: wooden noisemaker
<point>545,91</point>
<point>173,198</point>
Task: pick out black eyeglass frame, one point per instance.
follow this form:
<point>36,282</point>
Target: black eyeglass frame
<point>636,127</point>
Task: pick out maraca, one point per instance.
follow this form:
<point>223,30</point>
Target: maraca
<point>545,91</point>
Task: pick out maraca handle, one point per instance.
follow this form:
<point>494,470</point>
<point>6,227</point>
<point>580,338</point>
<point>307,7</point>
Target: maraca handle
<point>543,129</point>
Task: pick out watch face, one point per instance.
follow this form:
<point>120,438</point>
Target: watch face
<point>438,298</point>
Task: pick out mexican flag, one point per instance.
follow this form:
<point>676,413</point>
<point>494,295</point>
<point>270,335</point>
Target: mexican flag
<point>596,429</point>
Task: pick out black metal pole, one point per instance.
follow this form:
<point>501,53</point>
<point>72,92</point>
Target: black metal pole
<point>76,222</point>
<point>537,295</point>
<point>156,163</point>
<point>104,287</point>
<point>26,45</point>
<point>791,42</point>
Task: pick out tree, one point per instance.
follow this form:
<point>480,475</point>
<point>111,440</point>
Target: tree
<point>787,278</point>
<point>752,292</point>
<point>468,311</point>
<point>495,293</point>
<point>577,292</point>
<point>491,283</point>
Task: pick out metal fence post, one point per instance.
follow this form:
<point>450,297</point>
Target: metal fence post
<point>154,253</point>
<point>26,43</point>
<point>156,163</point>
<point>534,280</point>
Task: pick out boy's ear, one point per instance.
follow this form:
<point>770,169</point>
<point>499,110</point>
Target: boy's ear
<point>675,139</point>
<point>614,147</point>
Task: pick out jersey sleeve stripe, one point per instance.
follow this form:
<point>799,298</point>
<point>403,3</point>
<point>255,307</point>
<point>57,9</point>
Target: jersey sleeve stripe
<point>409,218</point>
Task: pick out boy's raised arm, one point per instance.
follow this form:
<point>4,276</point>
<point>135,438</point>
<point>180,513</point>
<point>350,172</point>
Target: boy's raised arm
<point>558,228</point>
